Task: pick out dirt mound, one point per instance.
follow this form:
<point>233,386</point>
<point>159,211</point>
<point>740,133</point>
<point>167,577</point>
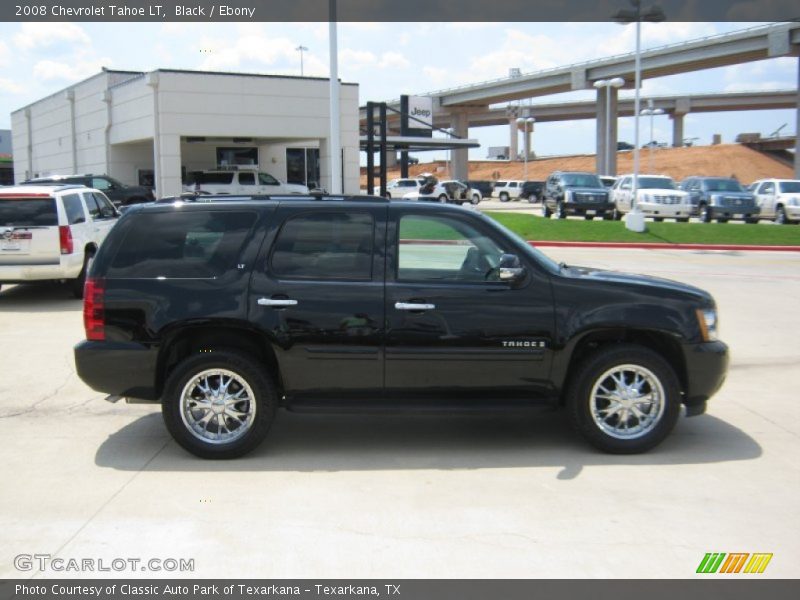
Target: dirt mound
<point>724,160</point>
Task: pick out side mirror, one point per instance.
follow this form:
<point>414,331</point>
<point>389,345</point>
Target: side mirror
<point>107,212</point>
<point>510,269</point>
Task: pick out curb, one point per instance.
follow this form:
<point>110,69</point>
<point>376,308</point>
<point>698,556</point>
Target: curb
<point>658,246</point>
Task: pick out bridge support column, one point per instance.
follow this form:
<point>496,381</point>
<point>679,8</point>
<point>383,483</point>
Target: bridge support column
<point>677,129</point>
<point>797,127</point>
<point>606,157</point>
<point>513,138</point>
<point>460,156</point>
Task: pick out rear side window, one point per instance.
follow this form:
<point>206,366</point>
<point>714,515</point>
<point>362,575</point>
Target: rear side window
<point>211,178</point>
<point>247,178</point>
<point>74,209</point>
<point>192,245</point>
<point>22,211</point>
<point>325,245</point>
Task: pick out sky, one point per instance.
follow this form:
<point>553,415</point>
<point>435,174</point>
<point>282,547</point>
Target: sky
<point>390,59</point>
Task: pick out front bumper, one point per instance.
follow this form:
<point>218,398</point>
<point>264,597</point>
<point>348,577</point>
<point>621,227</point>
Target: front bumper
<point>583,208</point>
<point>792,212</point>
<point>706,368</point>
<point>670,211</point>
<point>118,368</point>
<point>734,212</point>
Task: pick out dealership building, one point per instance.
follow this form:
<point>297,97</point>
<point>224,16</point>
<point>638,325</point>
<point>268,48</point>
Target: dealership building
<point>154,128</point>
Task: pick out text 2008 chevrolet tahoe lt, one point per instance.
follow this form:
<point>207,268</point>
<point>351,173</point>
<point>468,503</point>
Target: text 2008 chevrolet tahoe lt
<point>225,311</point>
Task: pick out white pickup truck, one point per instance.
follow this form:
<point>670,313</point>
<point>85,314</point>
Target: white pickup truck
<point>239,182</point>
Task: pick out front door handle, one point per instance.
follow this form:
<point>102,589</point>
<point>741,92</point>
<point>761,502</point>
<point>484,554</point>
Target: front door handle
<point>278,302</point>
<point>413,306</point>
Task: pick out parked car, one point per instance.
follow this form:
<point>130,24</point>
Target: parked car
<point>225,311</point>
<point>576,193</point>
<point>119,193</point>
<point>721,198</point>
<point>399,187</point>
<point>242,181</point>
<point>622,146</point>
<point>656,196</point>
<point>484,187</point>
<point>532,191</point>
<point>778,199</point>
<point>51,232</point>
<point>507,190</point>
<point>446,191</point>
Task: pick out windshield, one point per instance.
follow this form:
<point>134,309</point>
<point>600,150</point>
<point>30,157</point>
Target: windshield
<point>723,185</point>
<point>789,187</point>
<point>581,180</point>
<point>656,183</point>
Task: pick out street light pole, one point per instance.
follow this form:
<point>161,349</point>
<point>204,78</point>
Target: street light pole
<point>616,82</point>
<point>651,112</point>
<point>301,49</point>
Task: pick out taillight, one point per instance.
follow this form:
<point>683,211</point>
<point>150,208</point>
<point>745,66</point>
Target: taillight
<point>65,238</point>
<point>94,309</point>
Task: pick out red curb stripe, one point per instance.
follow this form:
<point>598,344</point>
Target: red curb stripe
<point>662,246</point>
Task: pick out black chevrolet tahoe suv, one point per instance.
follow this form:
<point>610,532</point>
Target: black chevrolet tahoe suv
<point>574,193</point>
<point>225,310</point>
<point>116,191</point>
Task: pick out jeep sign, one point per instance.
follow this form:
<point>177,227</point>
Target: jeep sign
<point>420,112</point>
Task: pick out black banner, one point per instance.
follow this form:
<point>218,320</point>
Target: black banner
<point>386,10</point>
<point>714,587</point>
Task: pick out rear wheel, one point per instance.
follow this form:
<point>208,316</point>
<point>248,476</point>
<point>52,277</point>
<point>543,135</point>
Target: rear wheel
<point>624,399</point>
<point>443,199</point>
<point>616,215</point>
<point>658,219</point>
<point>503,197</point>
<point>588,217</point>
<point>219,404</point>
<point>751,221</point>
<point>722,220</point>
<point>476,199</point>
<point>682,219</point>
<point>77,284</point>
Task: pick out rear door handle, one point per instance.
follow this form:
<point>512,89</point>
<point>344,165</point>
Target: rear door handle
<point>413,306</point>
<point>277,302</point>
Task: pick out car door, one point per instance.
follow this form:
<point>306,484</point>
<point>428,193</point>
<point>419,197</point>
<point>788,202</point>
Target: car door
<point>247,183</point>
<point>765,197</point>
<point>453,330</point>
<point>267,184</point>
<point>317,291</point>
<point>102,215</point>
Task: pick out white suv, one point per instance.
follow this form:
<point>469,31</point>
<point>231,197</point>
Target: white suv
<point>244,181</point>
<point>507,190</point>
<point>657,197</point>
<point>778,199</point>
<point>51,232</point>
<point>398,188</point>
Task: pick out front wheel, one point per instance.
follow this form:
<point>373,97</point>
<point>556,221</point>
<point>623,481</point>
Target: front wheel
<point>443,199</point>
<point>624,399</point>
<point>658,219</point>
<point>705,213</point>
<point>504,197</point>
<point>616,215</point>
<point>561,212</point>
<point>476,199</point>
<point>218,404</point>
<point>546,212</point>
<point>682,220</point>
<point>780,216</point>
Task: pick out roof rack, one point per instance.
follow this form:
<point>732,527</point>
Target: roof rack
<point>315,195</point>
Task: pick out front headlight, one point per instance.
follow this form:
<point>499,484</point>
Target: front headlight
<point>707,318</point>
<point>646,198</point>
<point>793,202</point>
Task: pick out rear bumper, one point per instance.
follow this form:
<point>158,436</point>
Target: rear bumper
<point>118,368</point>
<point>706,368</point>
<point>65,267</point>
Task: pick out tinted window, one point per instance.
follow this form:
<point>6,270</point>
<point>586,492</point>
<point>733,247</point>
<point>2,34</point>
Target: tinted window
<point>656,183</point>
<point>444,250</point>
<point>325,245</point>
<point>220,178</point>
<point>767,188</point>
<point>267,179</point>
<point>789,187</point>
<point>93,205</point>
<point>581,180</point>
<point>74,209</point>
<point>107,210</point>
<point>723,185</point>
<point>100,183</point>
<point>247,178</point>
<point>38,211</point>
<point>192,245</point>
<point>500,184</point>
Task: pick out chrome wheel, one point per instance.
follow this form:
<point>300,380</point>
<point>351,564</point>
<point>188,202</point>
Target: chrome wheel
<point>217,406</point>
<point>627,401</point>
<point>780,216</point>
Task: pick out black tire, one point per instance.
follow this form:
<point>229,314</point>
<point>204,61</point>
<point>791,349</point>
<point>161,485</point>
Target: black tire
<point>658,219</point>
<point>476,199</point>
<point>588,217</point>
<point>705,213</point>
<point>607,216</point>
<point>504,197</point>
<point>722,220</point>
<point>780,216</point>
<point>546,212</point>
<point>592,371</point>
<point>616,215</point>
<point>561,212</point>
<point>80,281</point>
<point>751,221</point>
<point>682,219</point>
<point>246,369</point>
<point>442,198</point>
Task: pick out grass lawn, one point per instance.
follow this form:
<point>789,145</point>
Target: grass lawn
<point>535,228</point>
